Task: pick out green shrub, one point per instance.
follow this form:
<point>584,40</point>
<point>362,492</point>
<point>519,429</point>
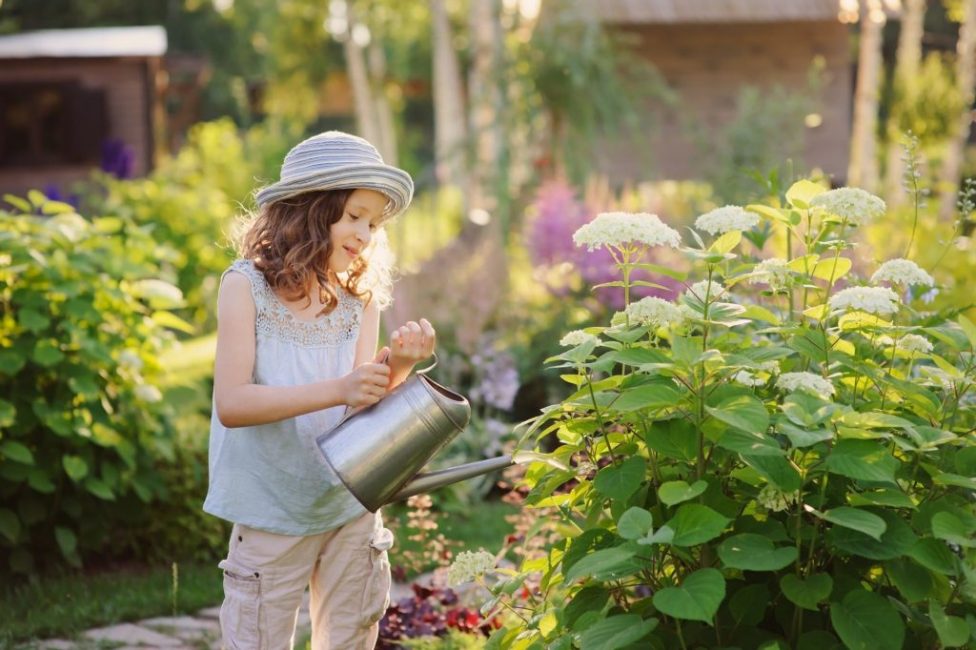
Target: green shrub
<point>784,465</point>
<point>83,314</point>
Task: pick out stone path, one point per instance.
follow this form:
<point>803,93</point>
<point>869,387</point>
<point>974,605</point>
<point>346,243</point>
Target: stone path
<point>198,632</point>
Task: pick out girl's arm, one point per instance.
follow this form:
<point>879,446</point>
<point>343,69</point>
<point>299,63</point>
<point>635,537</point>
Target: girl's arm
<point>239,402</point>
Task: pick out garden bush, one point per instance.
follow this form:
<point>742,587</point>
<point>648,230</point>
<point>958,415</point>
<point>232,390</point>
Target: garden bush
<point>83,318</point>
<point>783,457</point>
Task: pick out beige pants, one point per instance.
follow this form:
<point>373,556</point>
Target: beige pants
<point>265,576</point>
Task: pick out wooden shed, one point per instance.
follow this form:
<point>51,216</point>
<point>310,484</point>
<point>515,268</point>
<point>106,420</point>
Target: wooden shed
<point>70,98</point>
<point>708,51</point>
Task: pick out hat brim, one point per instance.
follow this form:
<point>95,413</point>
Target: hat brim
<point>394,183</point>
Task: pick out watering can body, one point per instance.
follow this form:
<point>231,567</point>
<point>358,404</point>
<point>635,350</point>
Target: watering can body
<point>378,452</point>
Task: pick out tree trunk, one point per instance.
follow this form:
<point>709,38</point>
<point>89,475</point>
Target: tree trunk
<point>387,145</point>
<point>863,168</point>
<point>907,62</point>
<point>449,117</point>
<point>367,120</point>
<point>484,99</point>
<point>966,78</point>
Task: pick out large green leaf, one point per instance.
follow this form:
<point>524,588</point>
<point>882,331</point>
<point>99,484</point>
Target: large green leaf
<point>616,632</point>
<point>855,519</point>
<point>696,524</point>
<point>802,192</point>
<point>67,541</point>
<point>47,353</point>
<point>831,269</point>
<point>649,396</point>
<point>12,450</point>
<point>9,524</point>
<point>75,467</point>
<point>748,604</point>
<point>605,564</point>
<point>896,541</point>
<point>953,631</point>
<point>862,460</point>
<point>587,599</point>
<point>751,552</point>
<point>934,555</point>
<point>952,529</point>
<point>675,492</point>
<point>634,523</point>
<point>778,470</point>
<point>913,581</point>
<point>742,412</point>
<point>752,444</point>
<point>696,599</point>
<point>620,481</point>
<point>807,592</point>
<point>866,621</point>
<point>804,437</point>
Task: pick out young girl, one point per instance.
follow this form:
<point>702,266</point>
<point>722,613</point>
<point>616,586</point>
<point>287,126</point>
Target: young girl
<point>298,328</point>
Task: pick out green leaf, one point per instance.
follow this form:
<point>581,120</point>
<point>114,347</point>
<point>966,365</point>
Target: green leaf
<point>800,437</point>
<point>819,640</point>
<point>752,444</point>
<point>861,520</point>
<point>696,524</point>
<point>47,353</point>
<point>802,192</point>
<point>648,396</point>
<point>748,604</point>
<point>18,203</point>
<point>663,270</point>
<point>913,581</point>
<point>865,620</point>
<point>32,320</point>
<point>173,322</point>
<point>953,631</point>
<point>831,268</point>
<point>697,599</point>
<point>742,412</point>
<point>75,467</point>
<point>890,497</point>
<point>969,328</point>
<point>158,293</point>
<point>634,523</point>
<point>751,552</point>
<point>16,451</point>
<point>934,555</point>
<point>11,361</point>
<point>862,460</point>
<point>951,528</point>
<point>807,592</point>
<point>768,211</point>
<point>620,481</point>
<point>99,489</point>
<point>616,632</point>
<point>674,492</point>
<point>605,564</point>
<point>726,242</point>
<point>897,540</point>
<point>755,312</point>
<point>587,599</point>
<point>777,470</point>
<point>9,524</point>
<point>67,541</point>
<point>39,480</point>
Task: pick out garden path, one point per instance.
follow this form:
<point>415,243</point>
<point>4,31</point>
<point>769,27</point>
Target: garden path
<point>200,631</point>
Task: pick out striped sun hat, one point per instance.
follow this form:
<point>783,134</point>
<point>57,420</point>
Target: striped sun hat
<point>338,161</point>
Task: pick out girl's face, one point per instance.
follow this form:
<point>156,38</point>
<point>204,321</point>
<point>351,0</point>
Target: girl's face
<point>351,234</point>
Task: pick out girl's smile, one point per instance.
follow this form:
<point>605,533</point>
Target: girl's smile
<point>352,233</point>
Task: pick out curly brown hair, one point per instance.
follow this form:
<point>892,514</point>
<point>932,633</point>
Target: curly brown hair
<point>288,241</point>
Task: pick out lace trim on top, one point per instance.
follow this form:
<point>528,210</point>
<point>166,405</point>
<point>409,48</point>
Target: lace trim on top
<point>274,320</point>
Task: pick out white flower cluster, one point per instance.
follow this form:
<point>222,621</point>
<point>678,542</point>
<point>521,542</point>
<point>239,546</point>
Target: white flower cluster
<point>468,565</point>
<point>148,393</point>
<point>617,229</point>
<point>915,343</point>
<point>805,381</point>
<point>903,272</point>
<point>655,312</point>
<point>130,359</point>
<point>746,378</point>
<point>726,219</point>
<point>772,499</point>
<point>852,204</point>
<point>874,300</point>
<point>775,272</point>
<point>707,291</point>
<point>577,337</point>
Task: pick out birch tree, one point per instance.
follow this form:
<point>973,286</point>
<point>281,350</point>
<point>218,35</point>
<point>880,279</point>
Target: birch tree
<point>450,129</point>
<point>966,79</point>
<point>862,170</point>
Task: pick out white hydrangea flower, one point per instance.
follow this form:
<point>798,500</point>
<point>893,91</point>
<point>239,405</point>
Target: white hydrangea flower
<point>775,272</point>
<point>468,565</point>
<point>746,378</point>
<point>853,204</point>
<point>619,318</point>
<point>874,300</point>
<point>704,289</point>
<point>773,499</point>
<point>805,381</point>
<point>771,366</point>
<point>577,337</point>
<point>130,358</point>
<point>903,272</point>
<point>148,393</point>
<point>655,312</point>
<point>884,341</point>
<point>618,229</point>
<point>915,343</point>
<point>726,219</point>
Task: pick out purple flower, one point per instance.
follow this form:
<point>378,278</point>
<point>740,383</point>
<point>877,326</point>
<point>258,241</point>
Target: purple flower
<point>117,158</point>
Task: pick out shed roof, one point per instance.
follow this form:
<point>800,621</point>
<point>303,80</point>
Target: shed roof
<point>87,42</point>
<point>715,11</point>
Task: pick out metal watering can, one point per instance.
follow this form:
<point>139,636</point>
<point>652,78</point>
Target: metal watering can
<point>378,452</point>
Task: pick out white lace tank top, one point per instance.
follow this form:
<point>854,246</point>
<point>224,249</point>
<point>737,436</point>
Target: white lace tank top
<point>272,476</point>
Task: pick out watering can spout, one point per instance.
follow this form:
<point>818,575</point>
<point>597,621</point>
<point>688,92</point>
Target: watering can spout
<point>433,480</point>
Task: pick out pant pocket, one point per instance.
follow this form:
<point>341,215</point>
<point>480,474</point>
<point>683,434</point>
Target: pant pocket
<point>376,595</point>
<point>241,611</point>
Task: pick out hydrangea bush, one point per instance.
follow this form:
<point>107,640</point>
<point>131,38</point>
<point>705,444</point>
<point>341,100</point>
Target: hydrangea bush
<point>782,458</point>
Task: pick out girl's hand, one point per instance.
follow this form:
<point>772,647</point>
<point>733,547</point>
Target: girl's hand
<point>367,384</point>
<point>411,343</point>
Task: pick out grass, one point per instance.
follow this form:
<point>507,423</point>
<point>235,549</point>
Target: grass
<point>67,604</point>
